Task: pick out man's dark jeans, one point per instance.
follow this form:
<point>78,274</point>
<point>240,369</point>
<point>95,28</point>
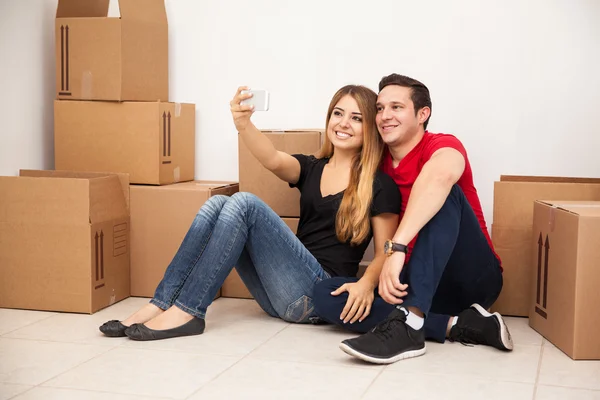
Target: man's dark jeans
<point>451,267</point>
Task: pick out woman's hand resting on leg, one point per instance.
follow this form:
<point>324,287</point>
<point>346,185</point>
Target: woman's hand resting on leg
<point>360,298</point>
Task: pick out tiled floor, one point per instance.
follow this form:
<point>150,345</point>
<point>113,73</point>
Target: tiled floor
<point>245,354</point>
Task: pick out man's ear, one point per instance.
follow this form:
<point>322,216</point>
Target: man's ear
<point>423,114</point>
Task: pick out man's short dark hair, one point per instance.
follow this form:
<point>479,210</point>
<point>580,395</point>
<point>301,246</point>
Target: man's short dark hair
<point>419,92</point>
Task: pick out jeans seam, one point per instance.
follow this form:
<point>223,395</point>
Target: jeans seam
<point>302,256</point>
<point>215,271</point>
<point>211,279</point>
<point>189,270</point>
<point>190,311</point>
<point>160,304</point>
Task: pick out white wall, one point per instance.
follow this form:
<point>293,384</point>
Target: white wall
<point>516,81</point>
<point>27,82</point>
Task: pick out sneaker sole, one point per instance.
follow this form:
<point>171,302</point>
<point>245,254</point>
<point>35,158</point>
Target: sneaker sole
<point>376,360</point>
<point>504,333</point>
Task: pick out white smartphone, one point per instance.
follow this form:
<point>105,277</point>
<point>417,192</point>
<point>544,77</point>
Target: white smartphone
<point>260,99</point>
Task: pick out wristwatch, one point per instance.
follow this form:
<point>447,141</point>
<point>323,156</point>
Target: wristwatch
<point>390,247</point>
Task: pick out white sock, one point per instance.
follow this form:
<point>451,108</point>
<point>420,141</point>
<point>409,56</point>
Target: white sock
<point>454,321</point>
<point>412,319</point>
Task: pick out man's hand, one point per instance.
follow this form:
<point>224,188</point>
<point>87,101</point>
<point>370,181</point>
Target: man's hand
<point>390,288</point>
<point>360,299</point>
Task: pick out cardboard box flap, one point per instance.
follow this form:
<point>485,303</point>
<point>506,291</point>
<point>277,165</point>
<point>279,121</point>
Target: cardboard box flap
<point>106,200</point>
<point>123,178</point>
<point>581,208</point>
<point>79,8</point>
<point>62,202</point>
<point>546,179</point>
<point>147,10</point>
<point>212,185</point>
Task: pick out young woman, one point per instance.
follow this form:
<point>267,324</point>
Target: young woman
<point>345,201</point>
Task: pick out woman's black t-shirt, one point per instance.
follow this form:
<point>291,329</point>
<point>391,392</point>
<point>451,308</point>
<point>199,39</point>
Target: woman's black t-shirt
<point>316,228</point>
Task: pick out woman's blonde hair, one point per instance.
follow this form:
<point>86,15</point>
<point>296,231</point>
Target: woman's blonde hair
<point>353,217</point>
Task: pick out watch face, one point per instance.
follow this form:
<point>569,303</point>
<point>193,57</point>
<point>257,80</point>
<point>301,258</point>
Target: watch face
<point>386,247</point>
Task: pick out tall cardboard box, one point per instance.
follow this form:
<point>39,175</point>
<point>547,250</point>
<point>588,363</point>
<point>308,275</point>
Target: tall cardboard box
<point>160,219</point>
<point>101,58</point>
<point>254,178</point>
<point>512,229</point>
<point>566,277</point>
<point>233,285</point>
<point>153,142</point>
<point>64,241</point>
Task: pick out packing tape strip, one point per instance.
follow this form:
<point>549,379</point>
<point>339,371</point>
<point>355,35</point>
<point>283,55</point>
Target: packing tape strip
<point>87,84</point>
<point>176,174</point>
<point>552,218</point>
<point>177,109</point>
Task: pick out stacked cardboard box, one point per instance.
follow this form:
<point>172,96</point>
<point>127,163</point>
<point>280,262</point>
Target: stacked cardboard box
<point>64,240</point>
<point>65,236</point>
<point>112,80</point>
<point>113,113</point>
<point>256,179</point>
<point>160,219</point>
<point>512,229</point>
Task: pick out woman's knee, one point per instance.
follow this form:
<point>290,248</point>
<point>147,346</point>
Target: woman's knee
<point>245,200</point>
<point>215,203</point>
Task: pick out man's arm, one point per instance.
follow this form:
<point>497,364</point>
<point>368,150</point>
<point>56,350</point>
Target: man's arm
<point>429,192</point>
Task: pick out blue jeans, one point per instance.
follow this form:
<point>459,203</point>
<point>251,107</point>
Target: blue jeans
<point>451,267</point>
<point>241,231</point>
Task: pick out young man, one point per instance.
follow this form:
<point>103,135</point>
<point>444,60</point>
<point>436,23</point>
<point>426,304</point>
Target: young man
<point>441,273</point>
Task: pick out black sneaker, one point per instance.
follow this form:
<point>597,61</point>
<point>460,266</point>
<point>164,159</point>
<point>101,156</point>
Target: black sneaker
<point>390,341</point>
<point>477,326</point>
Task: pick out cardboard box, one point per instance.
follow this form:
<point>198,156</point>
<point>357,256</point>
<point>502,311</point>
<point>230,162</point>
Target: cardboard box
<point>367,258</point>
<point>512,229</point>
<point>566,277</point>
<point>160,218</point>
<point>153,142</point>
<point>64,241</point>
<point>100,58</point>
<point>233,285</point>
<point>254,178</point>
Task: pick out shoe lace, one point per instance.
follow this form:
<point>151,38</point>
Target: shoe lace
<point>468,337</point>
<point>385,329</point>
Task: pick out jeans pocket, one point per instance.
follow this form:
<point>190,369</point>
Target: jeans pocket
<point>300,310</point>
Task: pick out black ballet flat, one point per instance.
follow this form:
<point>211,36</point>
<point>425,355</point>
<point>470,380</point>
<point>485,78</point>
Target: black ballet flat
<point>113,328</point>
<point>142,333</point>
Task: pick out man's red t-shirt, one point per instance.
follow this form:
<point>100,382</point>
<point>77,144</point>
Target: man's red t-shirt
<point>410,167</point>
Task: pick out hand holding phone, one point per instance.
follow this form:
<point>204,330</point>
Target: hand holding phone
<point>259,99</point>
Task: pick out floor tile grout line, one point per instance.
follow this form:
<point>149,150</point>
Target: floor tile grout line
<point>75,366</point>
<point>482,378</point>
<point>364,393</point>
<point>237,362</point>
<point>323,364</point>
<point>367,366</point>
<point>100,391</point>
<point>25,326</point>
<point>570,387</point>
<point>539,368</point>
<point>61,342</point>
<point>22,393</point>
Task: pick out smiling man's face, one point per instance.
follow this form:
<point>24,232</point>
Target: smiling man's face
<point>396,119</point>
